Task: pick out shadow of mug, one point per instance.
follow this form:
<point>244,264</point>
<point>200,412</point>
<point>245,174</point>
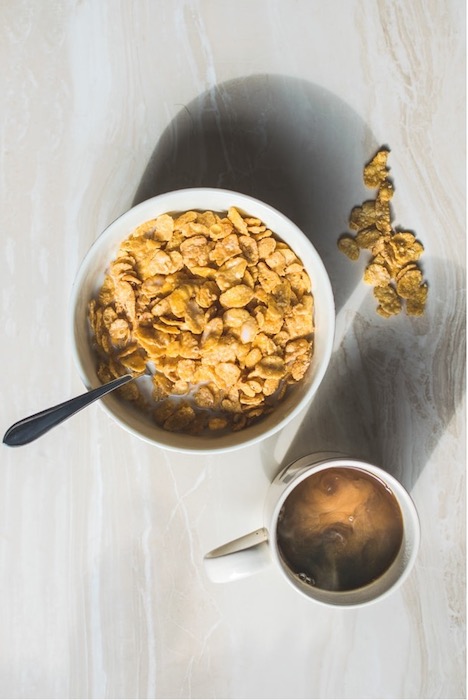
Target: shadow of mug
<point>393,385</point>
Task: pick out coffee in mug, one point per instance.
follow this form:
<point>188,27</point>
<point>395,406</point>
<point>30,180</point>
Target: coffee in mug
<point>340,529</point>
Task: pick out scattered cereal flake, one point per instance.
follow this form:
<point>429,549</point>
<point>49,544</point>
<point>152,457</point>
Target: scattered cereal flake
<point>405,247</point>
<point>376,170</point>
<point>362,216</point>
<point>299,367</point>
<point>194,318</point>
<point>234,318</point>
<point>383,215</point>
<point>368,238</point>
<point>403,270</point>
<point>180,387</point>
<point>107,292</point>
<point>386,191</point>
<point>389,301</point>
<point>277,262</point>
<point>416,304</point>
<point>409,283</point>
<point>159,264</point>
<point>377,275</point>
<point>348,246</point>
<point>254,356</point>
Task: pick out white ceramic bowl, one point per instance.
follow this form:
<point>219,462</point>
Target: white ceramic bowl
<point>91,275</point>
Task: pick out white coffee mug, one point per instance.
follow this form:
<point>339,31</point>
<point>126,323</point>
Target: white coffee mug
<point>252,552</point>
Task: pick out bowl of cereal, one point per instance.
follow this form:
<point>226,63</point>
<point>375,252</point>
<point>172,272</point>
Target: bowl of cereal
<point>221,308</point>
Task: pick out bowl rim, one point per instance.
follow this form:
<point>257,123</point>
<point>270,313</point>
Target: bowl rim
<point>242,202</point>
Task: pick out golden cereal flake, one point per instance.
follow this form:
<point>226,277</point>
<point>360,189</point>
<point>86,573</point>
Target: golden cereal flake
<point>227,247</point>
<point>405,247</point>
<point>377,275</point>
<point>237,221</point>
<point>389,301</point>
<point>416,303</point>
<point>383,215</point>
<point>217,423</point>
<point>408,283</point>
<point>368,238</point>
<point>204,397</point>
<point>236,297</point>
<point>180,419</point>
<point>163,228</point>
<point>135,362</point>
<point>249,248</point>
<point>386,191</point>
<point>266,247</point>
<point>231,273</point>
<point>195,251</point>
<point>228,372</point>
<point>375,172</point>
<point>270,367</point>
<point>348,246</point>
<point>162,387</point>
<point>362,216</point>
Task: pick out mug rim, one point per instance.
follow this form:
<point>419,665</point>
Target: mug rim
<point>411,526</point>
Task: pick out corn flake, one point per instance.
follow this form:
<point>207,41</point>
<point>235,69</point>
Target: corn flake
<point>349,246</point>
<point>375,172</point>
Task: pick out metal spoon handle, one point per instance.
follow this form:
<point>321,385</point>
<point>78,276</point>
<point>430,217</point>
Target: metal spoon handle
<point>29,429</point>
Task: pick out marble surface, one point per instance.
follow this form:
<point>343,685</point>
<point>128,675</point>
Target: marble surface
<point>106,102</point>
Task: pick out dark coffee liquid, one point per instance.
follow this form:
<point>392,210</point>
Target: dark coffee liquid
<point>340,529</point>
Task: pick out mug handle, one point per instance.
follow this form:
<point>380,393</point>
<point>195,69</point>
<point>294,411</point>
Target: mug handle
<point>239,558</point>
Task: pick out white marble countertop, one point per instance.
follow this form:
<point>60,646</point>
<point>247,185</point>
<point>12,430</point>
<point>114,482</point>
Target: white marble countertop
<point>104,102</point>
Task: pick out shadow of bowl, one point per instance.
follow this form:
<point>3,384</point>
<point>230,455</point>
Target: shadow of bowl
<point>287,142</point>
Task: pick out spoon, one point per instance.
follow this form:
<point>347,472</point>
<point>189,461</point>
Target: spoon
<point>31,428</point>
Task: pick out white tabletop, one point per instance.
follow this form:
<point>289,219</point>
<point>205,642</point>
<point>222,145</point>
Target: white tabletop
<point>102,536</point>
